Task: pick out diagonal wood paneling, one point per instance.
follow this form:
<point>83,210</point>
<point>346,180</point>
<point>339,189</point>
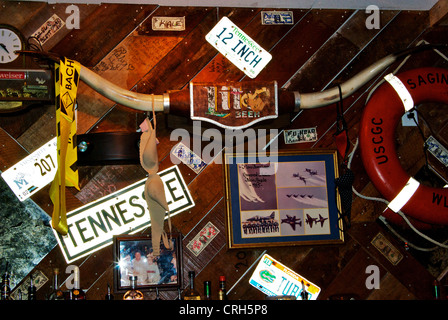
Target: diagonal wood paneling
<point>321,49</point>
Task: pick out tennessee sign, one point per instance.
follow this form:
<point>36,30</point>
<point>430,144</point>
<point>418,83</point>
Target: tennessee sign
<point>93,226</point>
<point>233,105</point>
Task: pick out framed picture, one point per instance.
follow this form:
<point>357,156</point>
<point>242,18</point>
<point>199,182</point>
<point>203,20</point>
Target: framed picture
<point>133,255</point>
<point>283,199</point>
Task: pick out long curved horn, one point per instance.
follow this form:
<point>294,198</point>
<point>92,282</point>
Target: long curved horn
<point>134,100</point>
<point>330,96</point>
<point>290,101</point>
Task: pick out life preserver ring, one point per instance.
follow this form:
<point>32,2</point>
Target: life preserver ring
<point>379,121</point>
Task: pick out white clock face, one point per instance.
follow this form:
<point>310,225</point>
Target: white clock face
<point>9,42</point>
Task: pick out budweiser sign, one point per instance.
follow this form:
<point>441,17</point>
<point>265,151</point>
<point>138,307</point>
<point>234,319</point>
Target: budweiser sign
<point>234,105</point>
<point>12,75</point>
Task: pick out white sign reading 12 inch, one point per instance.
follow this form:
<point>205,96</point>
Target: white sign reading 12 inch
<point>238,47</point>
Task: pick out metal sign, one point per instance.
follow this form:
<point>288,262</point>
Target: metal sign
<point>168,23</point>
<point>93,226</point>
<point>277,17</point>
<point>203,238</point>
<point>437,150</point>
<point>234,105</point>
<point>238,47</point>
<point>188,157</point>
<point>48,29</point>
<point>300,135</point>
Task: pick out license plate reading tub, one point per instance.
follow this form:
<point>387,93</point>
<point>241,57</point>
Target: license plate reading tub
<point>238,47</point>
<point>274,279</point>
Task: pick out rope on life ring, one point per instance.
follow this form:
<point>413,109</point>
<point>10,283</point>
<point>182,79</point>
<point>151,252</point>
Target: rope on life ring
<point>379,121</point>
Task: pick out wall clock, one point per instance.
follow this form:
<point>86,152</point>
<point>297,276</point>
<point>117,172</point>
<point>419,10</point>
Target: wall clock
<point>10,41</point>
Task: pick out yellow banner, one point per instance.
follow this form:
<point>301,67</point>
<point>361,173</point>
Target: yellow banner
<point>66,86</point>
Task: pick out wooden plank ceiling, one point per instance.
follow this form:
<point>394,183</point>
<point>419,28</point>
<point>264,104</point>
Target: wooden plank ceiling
<point>322,48</point>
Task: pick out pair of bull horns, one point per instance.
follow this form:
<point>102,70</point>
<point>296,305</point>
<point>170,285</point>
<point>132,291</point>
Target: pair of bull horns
<point>177,102</point>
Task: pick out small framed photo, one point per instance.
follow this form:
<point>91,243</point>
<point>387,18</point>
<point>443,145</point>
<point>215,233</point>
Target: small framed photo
<point>133,256</point>
<point>283,199</point>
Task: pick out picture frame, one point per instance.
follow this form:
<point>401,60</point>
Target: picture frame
<point>133,256</point>
<point>286,198</point>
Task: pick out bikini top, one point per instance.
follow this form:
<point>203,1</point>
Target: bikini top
<point>154,187</point>
<point>149,160</point>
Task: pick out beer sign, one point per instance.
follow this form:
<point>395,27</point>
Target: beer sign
<point>233,105</point>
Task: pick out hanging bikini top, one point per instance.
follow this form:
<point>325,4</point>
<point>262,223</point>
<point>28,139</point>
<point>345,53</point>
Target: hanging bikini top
<point>154,187</point>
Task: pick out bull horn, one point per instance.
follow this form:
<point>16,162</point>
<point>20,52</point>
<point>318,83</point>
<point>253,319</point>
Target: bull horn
<point>330,96</point>
<point>177,102</point>
<point>131,99</point>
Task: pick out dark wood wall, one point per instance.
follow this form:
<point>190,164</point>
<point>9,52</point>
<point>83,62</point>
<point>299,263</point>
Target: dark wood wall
<point>322,48</point>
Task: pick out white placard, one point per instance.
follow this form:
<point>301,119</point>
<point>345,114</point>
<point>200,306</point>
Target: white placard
<point>300,135</point>
<point>92,226</point>
<point>48,29</point>
<point>238,47</point>
<point>33,172</point>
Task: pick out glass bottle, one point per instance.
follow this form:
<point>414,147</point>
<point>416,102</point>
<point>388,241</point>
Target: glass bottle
<point>109,295</point>
<point>31,289</point>
<point>437,290</point>
<point>76,293</point>
<point>207,290</point>
<point>6,289</point>
<point>157,294</point>
<point>304,294</point>
<point>134,293</point>
<point>191,293</point>
<point>222,294</point>
<point>56,293</point>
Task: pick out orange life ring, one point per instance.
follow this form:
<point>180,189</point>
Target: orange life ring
<point>379,121</point>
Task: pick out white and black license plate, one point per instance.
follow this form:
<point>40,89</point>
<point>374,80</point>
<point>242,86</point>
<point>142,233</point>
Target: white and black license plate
<point>238,47</point>
<point>33,172</point>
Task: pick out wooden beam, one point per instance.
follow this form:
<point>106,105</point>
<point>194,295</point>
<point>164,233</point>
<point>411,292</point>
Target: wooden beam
<point>438,12</point>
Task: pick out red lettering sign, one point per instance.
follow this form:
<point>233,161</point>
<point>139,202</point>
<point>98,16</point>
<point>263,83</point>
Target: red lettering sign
<point>12,75</point>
